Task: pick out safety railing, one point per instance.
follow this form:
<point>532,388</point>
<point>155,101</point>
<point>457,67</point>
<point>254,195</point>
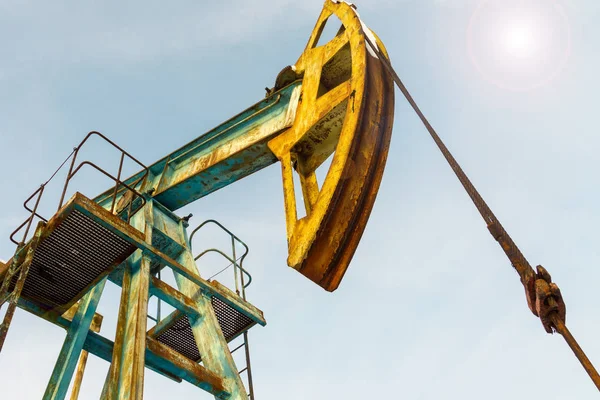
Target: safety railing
<point>117,179</point>
<point>120,186</point>
<point>238,269</point>
<point>28,222</point>
<point>239,272</point>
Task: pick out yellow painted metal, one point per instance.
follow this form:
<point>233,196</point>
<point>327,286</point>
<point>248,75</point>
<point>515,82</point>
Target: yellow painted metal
<point>345,109</point>
<point>126,374</point>
<point>94,327</point>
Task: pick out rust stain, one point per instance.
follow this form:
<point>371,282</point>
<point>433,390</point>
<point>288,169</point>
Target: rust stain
<point>335,74</point>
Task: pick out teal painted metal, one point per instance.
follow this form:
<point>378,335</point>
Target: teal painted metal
<point>202,166</point>
<point>160,222</point>
<point>174,298</point>
<point>126,376</point>
<point>103,348</point>
<point>210,340</point>
<point>71,349</point>
<point>132,350</point>
<point>224,155</point>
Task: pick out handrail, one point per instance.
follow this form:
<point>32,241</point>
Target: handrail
<point>235,264</point>
<point>118,181</point>
<point>232,260</point>
<point>40,190</point>
<point>212,221</point>
<point>29,220</point>
<point>72,171</point>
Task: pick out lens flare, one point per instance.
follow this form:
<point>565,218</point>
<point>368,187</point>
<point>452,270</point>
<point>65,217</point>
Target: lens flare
<point>519,45</point>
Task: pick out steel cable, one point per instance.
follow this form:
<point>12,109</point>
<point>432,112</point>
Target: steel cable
<point>511,250</point>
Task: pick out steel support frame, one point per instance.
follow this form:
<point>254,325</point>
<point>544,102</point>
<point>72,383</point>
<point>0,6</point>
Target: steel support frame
<point>210,340</point>
<point>226,154</point>
<point>126,374</point>
<point>132,349</point>
<point>159,358</point>
<point>73,345</point>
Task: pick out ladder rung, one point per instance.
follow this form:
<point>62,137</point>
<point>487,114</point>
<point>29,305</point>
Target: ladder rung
<point>242,371</point>
<point>237,348</point>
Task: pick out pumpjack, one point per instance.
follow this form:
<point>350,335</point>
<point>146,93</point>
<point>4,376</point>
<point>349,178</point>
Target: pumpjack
<point>336,100</point>
<point>335,103</point>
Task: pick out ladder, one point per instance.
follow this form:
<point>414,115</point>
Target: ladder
<point>248,368</point>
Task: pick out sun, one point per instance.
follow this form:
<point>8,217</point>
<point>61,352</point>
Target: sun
<point>519,44</point>
<point>519,39</point>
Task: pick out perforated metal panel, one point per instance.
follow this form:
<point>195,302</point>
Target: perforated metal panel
<point>232,322</point>
<point>74,255</point>
<point>180,337</point>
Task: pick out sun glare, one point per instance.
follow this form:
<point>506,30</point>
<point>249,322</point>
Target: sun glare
<point>519,44</point>
<point>519,40</point>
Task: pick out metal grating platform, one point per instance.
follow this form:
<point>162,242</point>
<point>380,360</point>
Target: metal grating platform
<point>180,338</point>
<point>76,254</point>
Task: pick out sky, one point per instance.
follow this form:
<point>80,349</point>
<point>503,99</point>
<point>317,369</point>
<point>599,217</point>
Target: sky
<point>430,308</point>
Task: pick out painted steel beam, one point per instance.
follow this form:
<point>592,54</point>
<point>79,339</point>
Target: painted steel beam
<point>166,361</point>
<point>71,349</point>
<point>126,376</point>
<point>159,357</point>
<point>164,324</point>
<point>173,297</point>
<point>211,342</point>
<point>227,153</point>
<point>134,236</point>
<point>95,327</point>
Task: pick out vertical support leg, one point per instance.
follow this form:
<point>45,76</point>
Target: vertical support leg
<point>209,338</point>
<point>79,375</point>
<point>69,354</point>
<point>126,375</point>
<point>96,325</point>
<point>16,293</point>
<point>104,393</point>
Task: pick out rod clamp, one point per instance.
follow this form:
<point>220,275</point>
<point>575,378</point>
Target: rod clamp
<point>548,299</point>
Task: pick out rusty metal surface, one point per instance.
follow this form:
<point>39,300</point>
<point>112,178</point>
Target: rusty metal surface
<point>128,188</point>
<point>195,373</point>
<point>19,269</point>
<point>179,335</point>
<point>78,379</point>
<point>70,259</point>
<point>341,103</point>
<point>159,357</point>
<point>72,347</point>
<point>75,252</point>
<point>346,109</point>
<point>126,374</point>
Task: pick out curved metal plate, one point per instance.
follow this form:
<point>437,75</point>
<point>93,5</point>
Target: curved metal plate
<point>353,118</point>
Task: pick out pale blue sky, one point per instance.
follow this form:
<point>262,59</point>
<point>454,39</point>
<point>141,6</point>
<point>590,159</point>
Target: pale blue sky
<point>430,308</point>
